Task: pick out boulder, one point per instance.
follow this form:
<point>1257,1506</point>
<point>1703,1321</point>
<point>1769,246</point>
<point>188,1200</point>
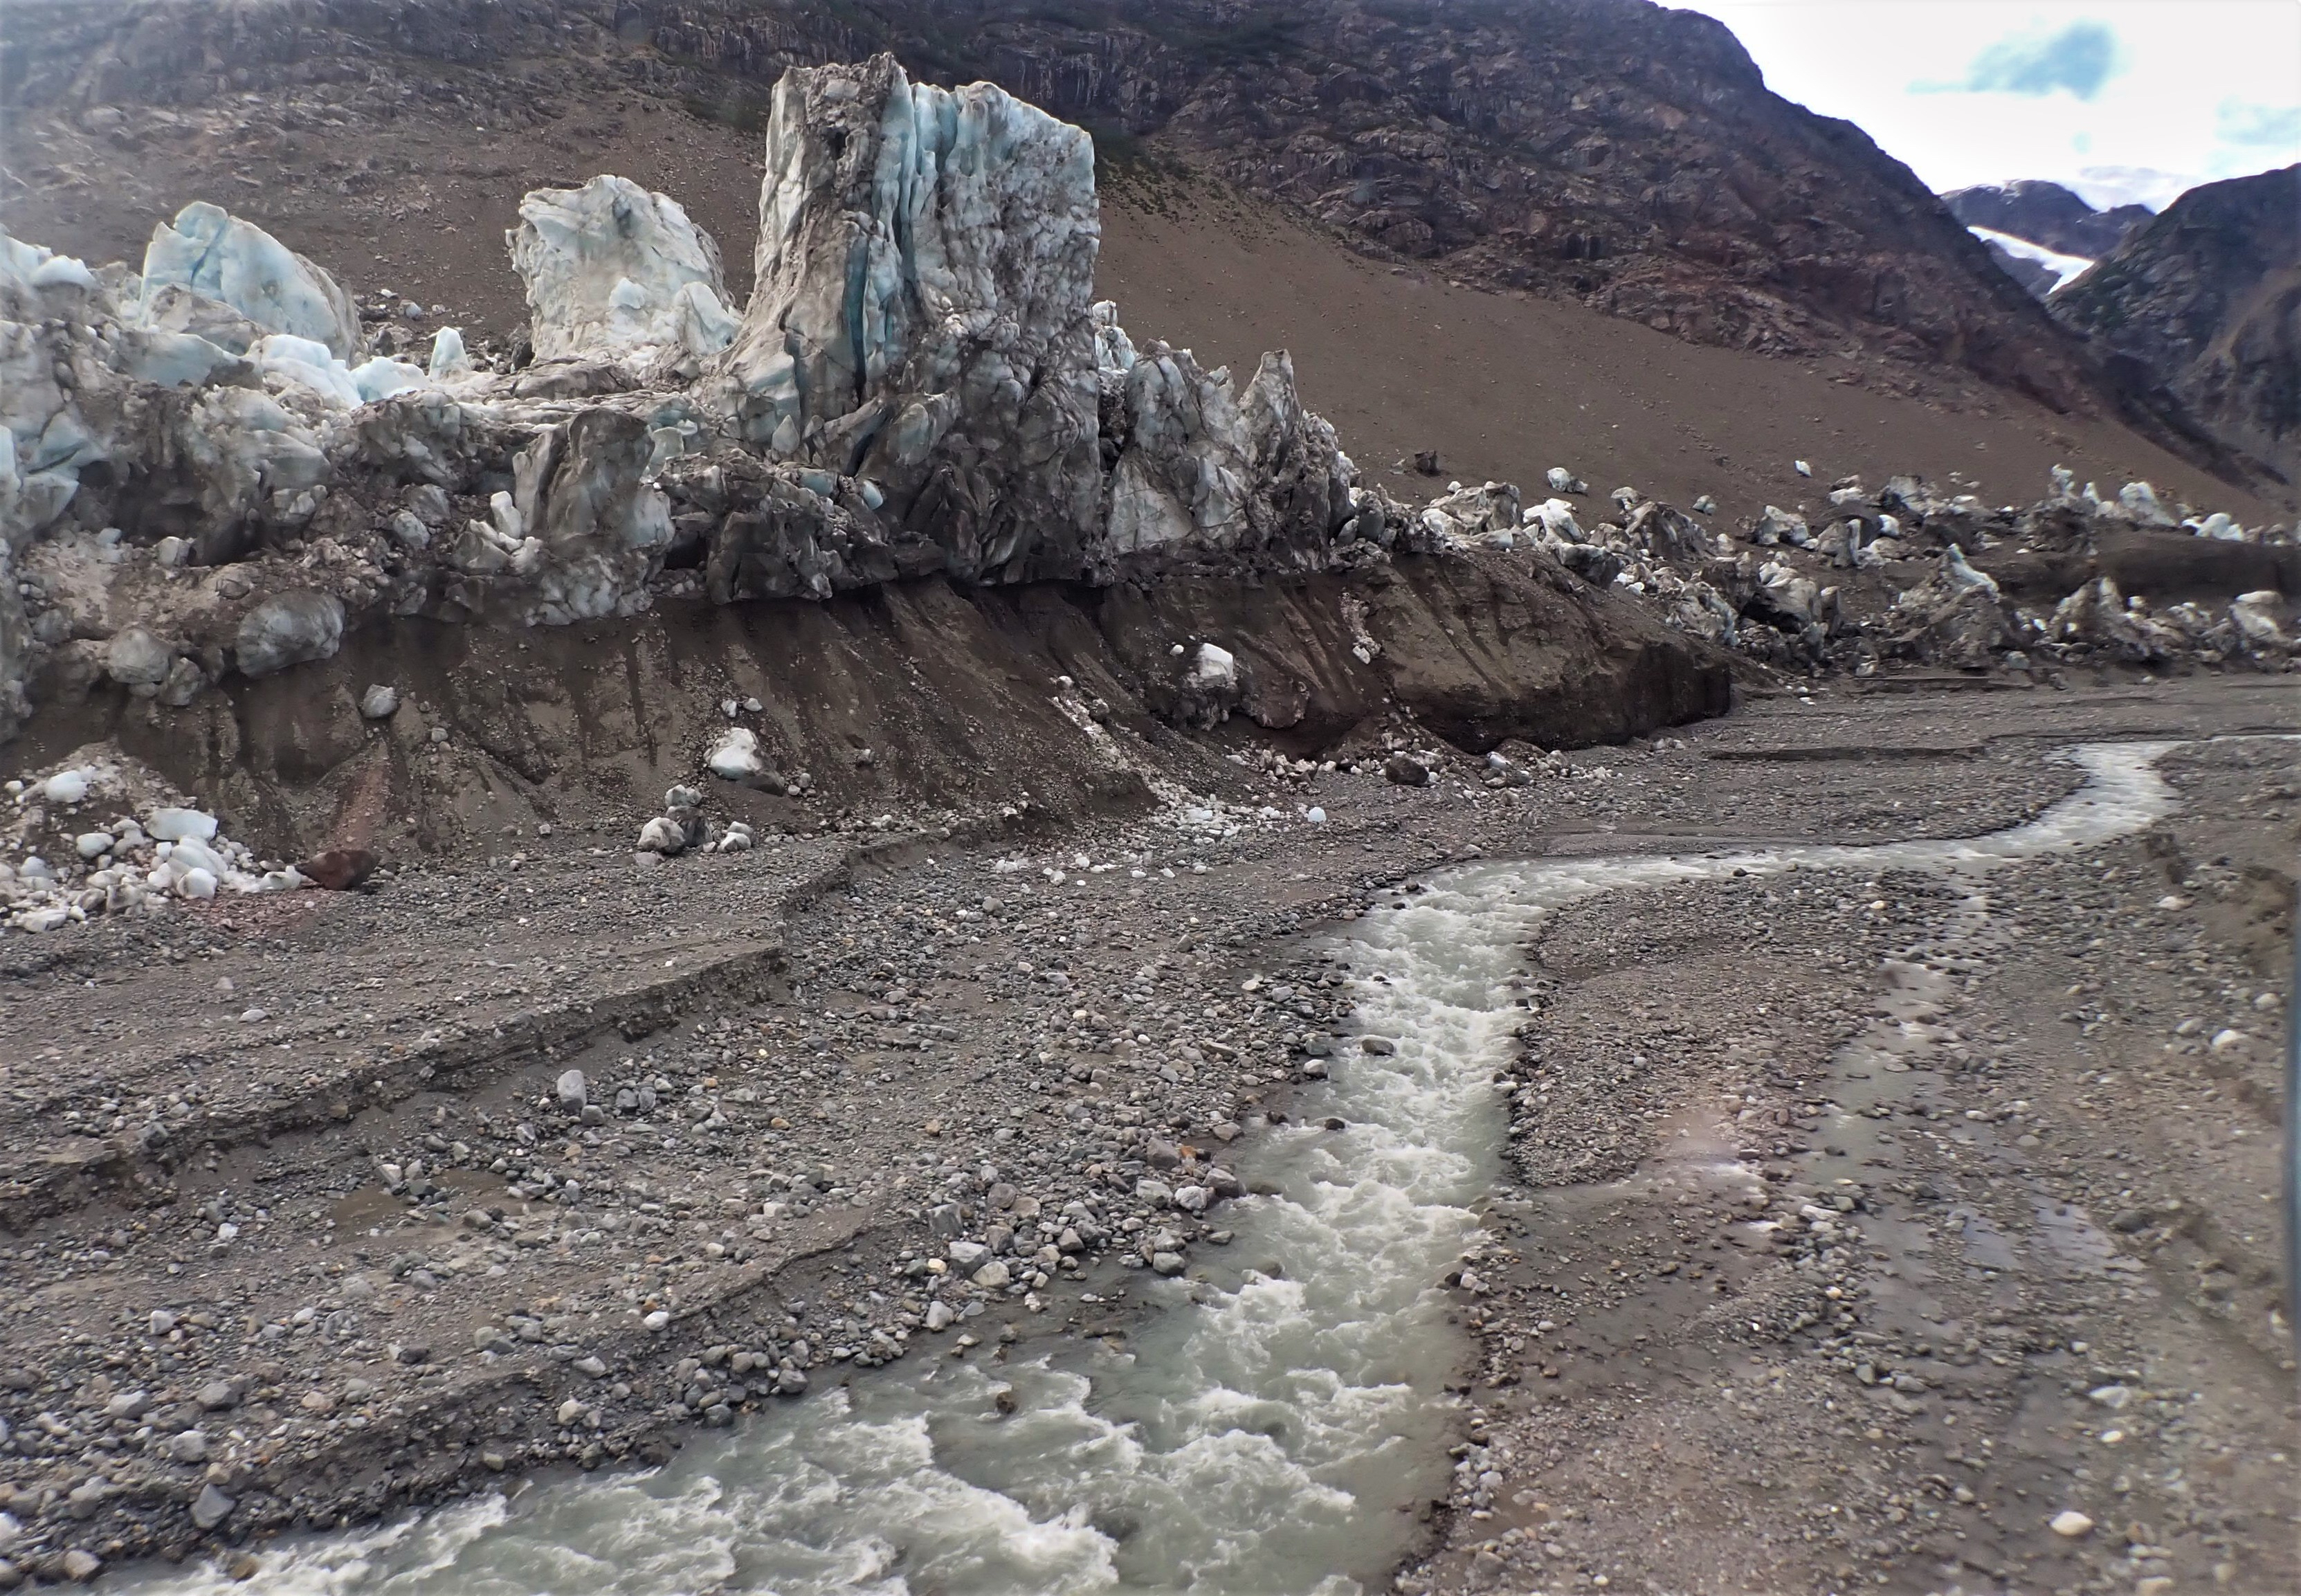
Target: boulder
<point>137,661</point>
<point>340,869</point>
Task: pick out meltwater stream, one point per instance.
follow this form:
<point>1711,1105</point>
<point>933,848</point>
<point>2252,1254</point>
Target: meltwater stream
<point>1266,1432</point>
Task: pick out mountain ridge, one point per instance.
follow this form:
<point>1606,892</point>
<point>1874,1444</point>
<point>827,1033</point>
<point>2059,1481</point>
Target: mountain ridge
<point>2206,296</point>
<point>2045,214</point>
<point>1609,153</point>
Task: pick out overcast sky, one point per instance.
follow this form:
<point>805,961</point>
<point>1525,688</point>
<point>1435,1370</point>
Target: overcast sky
<point>2118,99</point>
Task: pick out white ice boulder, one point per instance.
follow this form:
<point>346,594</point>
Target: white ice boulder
<point>237,263</point>
<point>1555,516</point>
<point>735,757</point>
<point>448,356</point>
<point>180,825</point>
<point>310,364</point>
<point>2255,615</point>
<point>1959,574</point>
<point>1214,669</point>
<point>191,853</point>
<point>382,377</point>
<point>66,787</point>
<point>615,272</point>
<point>2139,500</point>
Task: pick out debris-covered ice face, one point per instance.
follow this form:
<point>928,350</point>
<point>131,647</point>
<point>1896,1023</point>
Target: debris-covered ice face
<point>615,272</point>
<point>925,269</point>
<point>918,384</point>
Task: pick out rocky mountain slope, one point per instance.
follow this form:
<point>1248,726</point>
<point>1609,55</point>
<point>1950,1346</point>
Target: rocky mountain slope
<point>2207,297</point>
<point>1606,151</point>
<point>1505,384</point>
<point>2046,214</point>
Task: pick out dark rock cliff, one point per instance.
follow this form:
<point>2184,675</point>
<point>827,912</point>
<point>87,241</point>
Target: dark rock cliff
<point>2207,298</point>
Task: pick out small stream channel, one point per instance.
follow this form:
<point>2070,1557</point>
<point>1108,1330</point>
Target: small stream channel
<point>1265,1432</point>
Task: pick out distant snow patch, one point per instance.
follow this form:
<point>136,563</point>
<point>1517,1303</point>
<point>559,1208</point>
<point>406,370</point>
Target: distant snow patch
<point>2065,268</point>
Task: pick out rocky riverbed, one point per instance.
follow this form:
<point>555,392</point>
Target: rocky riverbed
<point>327,1206</point>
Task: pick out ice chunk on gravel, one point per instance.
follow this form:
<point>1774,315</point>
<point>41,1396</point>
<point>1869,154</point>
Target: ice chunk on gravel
<point>735,757</point>
<point>176,825</point>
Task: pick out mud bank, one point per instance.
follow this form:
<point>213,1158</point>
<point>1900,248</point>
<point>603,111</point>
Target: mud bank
<point>924,699</point>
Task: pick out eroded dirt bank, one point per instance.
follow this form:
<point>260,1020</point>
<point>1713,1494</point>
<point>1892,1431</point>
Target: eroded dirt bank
<point>923,702</point>
<point>305,1227</point>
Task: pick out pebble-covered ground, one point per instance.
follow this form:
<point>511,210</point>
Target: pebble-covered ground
<point>321,1205</point>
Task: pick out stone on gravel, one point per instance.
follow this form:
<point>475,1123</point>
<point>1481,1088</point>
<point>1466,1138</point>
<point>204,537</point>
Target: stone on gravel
<point>381,702</point>
<point>339,869</point>
<point>2070,1523</point>
<point>572,1093</point>
<point>211,1508</point>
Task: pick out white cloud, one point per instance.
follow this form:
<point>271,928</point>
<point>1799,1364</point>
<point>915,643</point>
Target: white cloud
<point>2079,59</point>
<point>2276,128</point>
<point>1983,91</point>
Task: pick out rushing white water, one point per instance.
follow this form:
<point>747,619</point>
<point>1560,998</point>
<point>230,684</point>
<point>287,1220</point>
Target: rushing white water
<point>1267,1433</point>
